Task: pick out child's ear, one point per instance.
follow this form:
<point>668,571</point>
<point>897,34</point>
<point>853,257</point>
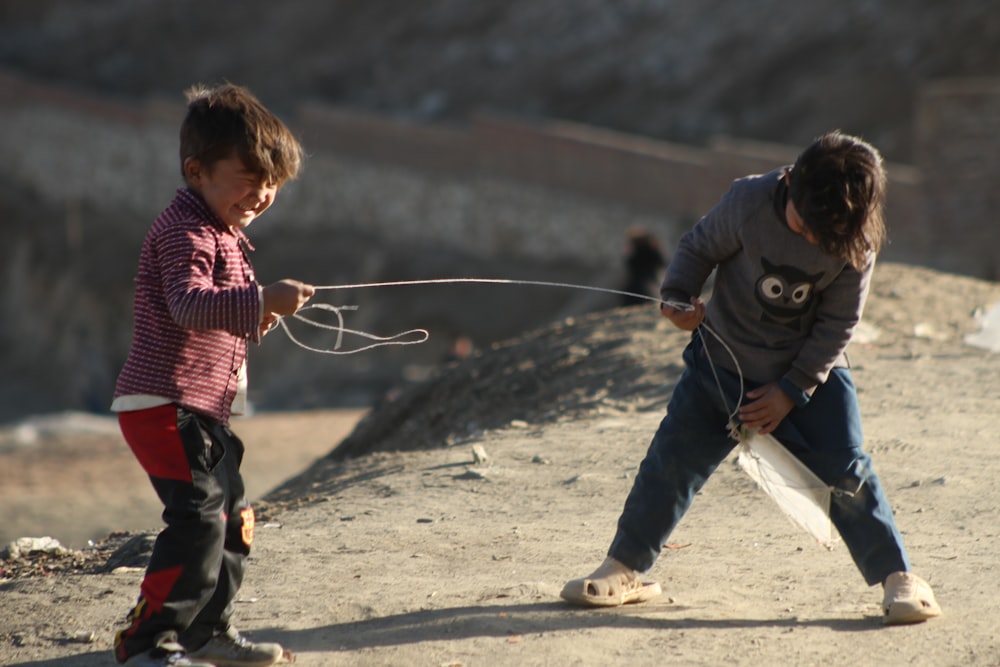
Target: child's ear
<point>192,171</point>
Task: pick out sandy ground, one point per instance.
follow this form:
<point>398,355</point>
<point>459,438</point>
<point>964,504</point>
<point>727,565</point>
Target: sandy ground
<point>426,557</point>
<point>72,476</point>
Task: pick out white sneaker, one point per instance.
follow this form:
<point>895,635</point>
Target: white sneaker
<point>171,656</point>
<point>231,649</point>
<point>908,599</point>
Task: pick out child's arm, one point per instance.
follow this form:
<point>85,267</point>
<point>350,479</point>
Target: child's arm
<point>187,252</point>
<point>840,308</point>
<point>713,239</point>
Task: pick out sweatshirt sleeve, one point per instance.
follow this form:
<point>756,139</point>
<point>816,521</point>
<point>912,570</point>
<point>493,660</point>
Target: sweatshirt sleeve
<point>838,314</point>
<point>713,239</point>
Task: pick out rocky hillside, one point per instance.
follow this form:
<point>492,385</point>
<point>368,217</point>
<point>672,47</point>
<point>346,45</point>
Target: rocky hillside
<point>774,69</point>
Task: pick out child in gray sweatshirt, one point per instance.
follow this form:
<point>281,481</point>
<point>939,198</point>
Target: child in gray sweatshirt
<point>793,251</point>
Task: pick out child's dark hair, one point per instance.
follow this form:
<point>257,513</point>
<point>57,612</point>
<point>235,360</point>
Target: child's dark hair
<point>837,186</point>
<point>228,120</point>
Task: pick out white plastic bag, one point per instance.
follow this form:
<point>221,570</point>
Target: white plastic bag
<point>800,494</point>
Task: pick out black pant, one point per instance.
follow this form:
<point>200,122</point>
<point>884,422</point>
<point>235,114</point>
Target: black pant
<point>198,560</point>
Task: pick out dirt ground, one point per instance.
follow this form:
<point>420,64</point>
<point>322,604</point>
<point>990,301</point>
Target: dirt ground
<point>78,481</point>
<point>429,557</point>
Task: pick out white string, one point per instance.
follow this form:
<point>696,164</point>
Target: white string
<point>734,426</point>
<point>341,330</point>
<point>493,281</point>
<point>422,334</point>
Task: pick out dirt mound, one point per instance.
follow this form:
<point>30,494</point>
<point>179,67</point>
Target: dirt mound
<point>625,359</point>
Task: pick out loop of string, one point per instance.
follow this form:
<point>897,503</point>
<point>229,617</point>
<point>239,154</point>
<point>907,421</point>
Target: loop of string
<point>735,428</point>
<point>421,335</point>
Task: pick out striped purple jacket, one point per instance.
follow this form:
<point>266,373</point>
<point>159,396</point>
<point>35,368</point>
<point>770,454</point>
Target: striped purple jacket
<point>197,304</point>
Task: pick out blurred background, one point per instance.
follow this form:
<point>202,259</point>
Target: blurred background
<point>497,138</point>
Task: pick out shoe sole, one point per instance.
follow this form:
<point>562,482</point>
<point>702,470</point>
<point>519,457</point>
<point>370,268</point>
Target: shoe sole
<point>576,592</point>
<point>905,614</point>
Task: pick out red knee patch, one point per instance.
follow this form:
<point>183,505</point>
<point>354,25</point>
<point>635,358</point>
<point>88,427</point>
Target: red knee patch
<point>156,586</point>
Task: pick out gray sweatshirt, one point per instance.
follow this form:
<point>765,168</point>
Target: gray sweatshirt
<point>785,308</point>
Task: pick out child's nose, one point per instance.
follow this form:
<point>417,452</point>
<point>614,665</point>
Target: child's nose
<point>263,192</point>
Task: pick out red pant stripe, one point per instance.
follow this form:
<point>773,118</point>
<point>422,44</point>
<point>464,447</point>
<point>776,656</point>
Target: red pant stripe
<point>152,436</point>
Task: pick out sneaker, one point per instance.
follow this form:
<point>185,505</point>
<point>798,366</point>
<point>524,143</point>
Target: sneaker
<point>231,649</point>
<point>171,655</point>
<point>908,599</point>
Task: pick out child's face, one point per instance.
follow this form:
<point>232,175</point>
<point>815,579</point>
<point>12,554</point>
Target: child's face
<point>797,225</point>
<point>234,193</point>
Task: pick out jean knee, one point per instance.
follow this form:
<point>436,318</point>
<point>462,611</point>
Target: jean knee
<point>857,489</point>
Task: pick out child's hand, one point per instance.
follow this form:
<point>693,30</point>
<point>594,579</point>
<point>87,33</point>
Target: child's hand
<point>688,320</point>
<point>267,323</point>
<point>286,296</point>
<point>767,407</point>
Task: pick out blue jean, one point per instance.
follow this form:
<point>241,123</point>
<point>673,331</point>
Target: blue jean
<point>693,439</point>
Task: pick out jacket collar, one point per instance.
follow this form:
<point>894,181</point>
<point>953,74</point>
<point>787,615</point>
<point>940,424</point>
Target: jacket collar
<point>190,198</point>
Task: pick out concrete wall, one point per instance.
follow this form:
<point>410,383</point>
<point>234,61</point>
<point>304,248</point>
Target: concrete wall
<point>959,133</point>
<point>667,185</point>
<point>495,187</point>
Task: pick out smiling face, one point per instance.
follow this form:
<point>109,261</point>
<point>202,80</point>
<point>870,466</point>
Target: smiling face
<point>234,193</point>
